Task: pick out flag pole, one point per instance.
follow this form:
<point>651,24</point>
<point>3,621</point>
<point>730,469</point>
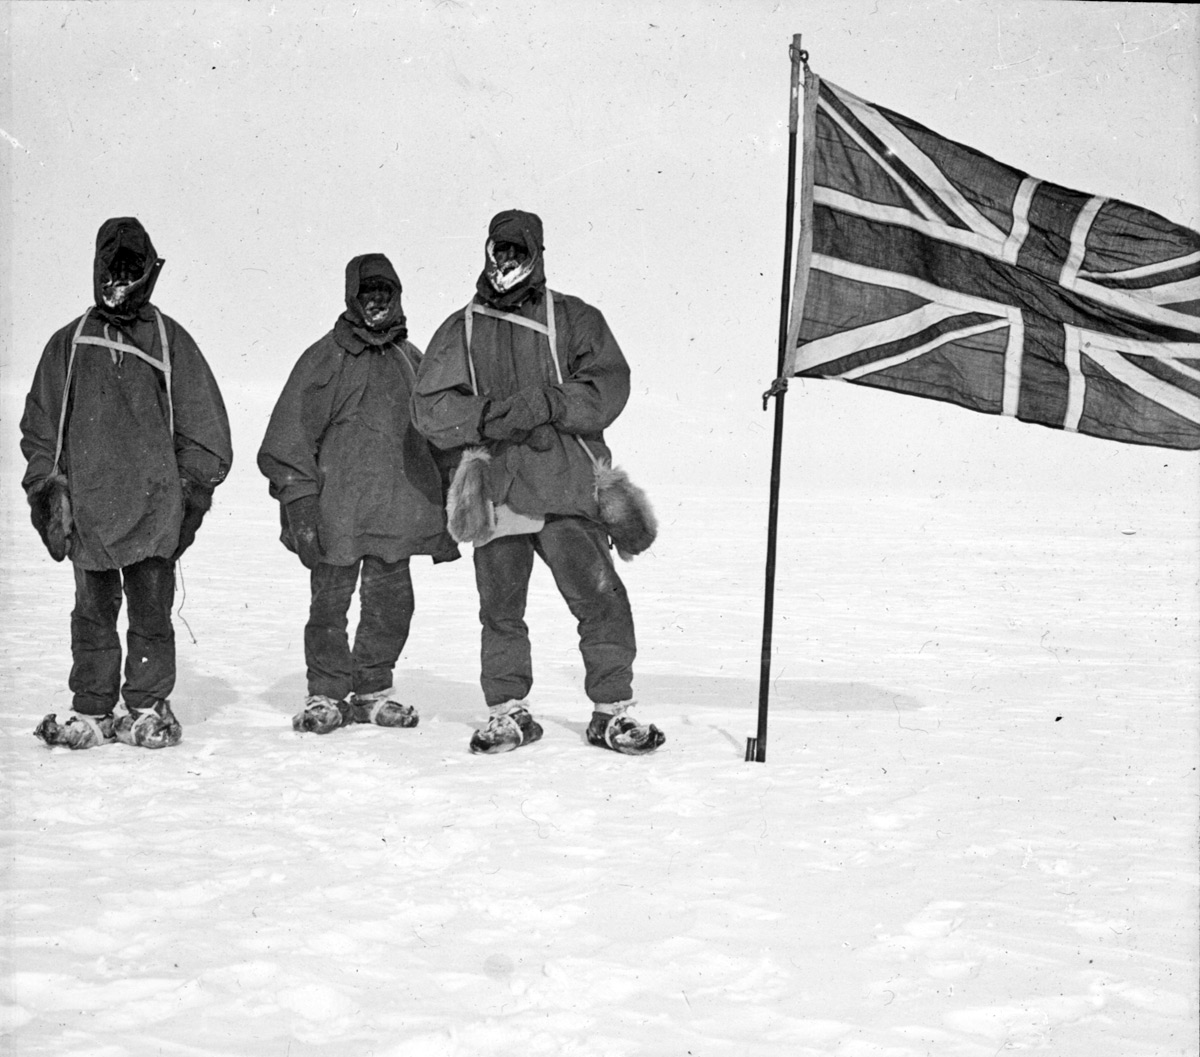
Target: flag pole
<point>756,747</point>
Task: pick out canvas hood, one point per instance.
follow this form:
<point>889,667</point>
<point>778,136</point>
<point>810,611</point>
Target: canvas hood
<point>506,291</point>
<point>353,331</point>
<point>121,237</point>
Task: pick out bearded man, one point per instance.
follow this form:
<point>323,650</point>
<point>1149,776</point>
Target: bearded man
<point>520,385</point>
<point>360,493</point>
<point>126,437</point>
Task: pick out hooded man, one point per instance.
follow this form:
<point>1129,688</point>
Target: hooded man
<point>360,492</point>
<point>521,384</point>
<point>126,437</point>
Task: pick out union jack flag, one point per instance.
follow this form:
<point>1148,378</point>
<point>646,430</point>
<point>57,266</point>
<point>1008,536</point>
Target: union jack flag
<point>929,268</point>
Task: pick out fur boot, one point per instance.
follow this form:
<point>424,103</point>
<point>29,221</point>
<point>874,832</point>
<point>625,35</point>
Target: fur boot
<point>149,727</point>
<point>625,511</point>
<point>382,709</point>
<point>509,726</point>
<point>470,516</point>
<point>50,511</point>
<point>613,728</point>
<point>77,732</point>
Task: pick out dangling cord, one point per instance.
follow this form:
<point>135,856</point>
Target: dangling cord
<point>183,599</point>
<point>552,338</point>
<point>118,355</point>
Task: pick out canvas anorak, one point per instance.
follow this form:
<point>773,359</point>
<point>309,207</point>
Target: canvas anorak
<point>508,357</point>
<point>342,430</point>
<point>122,463</point>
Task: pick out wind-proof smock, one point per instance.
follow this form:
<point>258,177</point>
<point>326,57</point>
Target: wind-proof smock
<point>342,430</point>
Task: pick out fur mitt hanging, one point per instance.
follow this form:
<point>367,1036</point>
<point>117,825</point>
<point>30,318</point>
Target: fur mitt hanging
<point>625,510</point>
<point>470,516</point>
<point>50,512</point>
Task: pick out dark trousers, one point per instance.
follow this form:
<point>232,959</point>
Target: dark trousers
<point>95,681</point>
<point>385,613</point>
<point>576,550</point>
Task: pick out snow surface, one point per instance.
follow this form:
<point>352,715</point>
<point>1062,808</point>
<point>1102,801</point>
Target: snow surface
<point>974,834</point>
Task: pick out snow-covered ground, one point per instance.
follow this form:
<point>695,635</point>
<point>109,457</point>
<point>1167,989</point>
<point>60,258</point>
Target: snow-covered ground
<point>975,832</point>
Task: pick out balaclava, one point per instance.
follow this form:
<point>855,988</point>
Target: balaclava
<point>124,270</point>
<point>374,314</point>
<point>508,283</point>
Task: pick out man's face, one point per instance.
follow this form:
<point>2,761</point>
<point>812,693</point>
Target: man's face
<point>509,256</point>
<point>125,270</point>
<point>375,297</point>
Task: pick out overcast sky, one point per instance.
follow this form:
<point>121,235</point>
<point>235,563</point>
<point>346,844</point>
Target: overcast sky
<point>263,145</point>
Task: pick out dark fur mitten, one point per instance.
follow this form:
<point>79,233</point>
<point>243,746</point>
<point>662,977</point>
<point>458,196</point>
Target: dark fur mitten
<point>50,512</point>
<point>197,500</point>
<point>625,511</point>
<point>304,524</point>
<point>470,517</point>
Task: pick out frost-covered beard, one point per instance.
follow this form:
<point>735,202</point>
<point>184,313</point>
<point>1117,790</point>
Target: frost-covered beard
<point>375,310</point>
<point>113,293</point>
<point>124,274</point>
<point>376,304</point>
<point>509,271</point>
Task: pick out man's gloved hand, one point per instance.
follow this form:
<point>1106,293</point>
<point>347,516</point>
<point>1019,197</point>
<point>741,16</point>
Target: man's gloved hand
<point>197,499</point>
<point>542,438</point>
<point>303,517</point>
<point>50,512</point>
<point>39,511</point>
<point>516,417</point>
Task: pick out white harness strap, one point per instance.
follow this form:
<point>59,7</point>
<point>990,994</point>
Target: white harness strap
<point>62,411</point>
<point>468,322</point>
<point>512,317</point>
<point>116,348</point>
<point>548,328</point>
<point>402,353</point>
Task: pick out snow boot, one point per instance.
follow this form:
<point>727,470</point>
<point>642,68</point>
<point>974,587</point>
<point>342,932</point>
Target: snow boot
<point>322,714</point>
<point>154,727</point>
<point>78,732</point>
<point>614,729</point>
<point>381,709</point>
<point>509,727</point>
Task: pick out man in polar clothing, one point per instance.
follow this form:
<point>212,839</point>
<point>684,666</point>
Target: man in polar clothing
<point>126,437</point>
<point>521,384</point>
<point>360,493</point>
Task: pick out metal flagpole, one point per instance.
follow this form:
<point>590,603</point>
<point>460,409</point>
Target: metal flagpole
<point>756,747</point>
